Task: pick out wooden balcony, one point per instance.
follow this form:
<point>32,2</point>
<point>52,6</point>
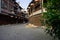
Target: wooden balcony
<point>7,12</point>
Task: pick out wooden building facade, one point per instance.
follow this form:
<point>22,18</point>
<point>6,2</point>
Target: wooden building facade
<point>9,11</point>
<point>35,12</point>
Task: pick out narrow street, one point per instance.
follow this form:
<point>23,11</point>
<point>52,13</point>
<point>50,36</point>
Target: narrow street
<point>21,32</point>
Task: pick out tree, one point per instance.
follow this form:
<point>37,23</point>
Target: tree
<point>52,17</point>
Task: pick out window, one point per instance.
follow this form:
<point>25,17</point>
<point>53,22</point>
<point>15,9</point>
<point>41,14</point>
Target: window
<point>4,4</point>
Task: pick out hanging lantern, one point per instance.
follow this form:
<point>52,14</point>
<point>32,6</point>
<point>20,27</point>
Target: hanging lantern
<point>32,4</point>
<point>11,16</point>
<point>36,0</point>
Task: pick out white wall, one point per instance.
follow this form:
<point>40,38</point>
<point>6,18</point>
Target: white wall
<point>0,6</point>
<point>37,12</point>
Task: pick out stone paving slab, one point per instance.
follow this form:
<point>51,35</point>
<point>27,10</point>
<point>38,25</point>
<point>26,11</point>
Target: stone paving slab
<point>21,32</point>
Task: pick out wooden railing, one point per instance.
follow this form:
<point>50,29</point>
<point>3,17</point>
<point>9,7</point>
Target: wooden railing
<point>37,12</point>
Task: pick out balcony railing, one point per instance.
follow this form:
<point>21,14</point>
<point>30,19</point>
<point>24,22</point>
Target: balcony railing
<point>37,12</point>
<point>6,11</point>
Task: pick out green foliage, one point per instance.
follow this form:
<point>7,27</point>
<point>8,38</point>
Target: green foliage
<point>52,16</point>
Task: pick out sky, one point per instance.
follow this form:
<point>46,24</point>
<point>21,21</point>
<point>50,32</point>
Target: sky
<point>24,3</point>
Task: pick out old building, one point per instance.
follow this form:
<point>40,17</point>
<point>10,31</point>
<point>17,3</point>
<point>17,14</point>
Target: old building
<point>17,10</point>
<point>35,10</point>
<point>8,14</point>
<point>0,6</point>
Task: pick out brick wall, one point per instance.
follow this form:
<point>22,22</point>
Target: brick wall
<point>35,20</point>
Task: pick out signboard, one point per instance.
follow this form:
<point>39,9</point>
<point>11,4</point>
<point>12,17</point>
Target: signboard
<point>0,6</point>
